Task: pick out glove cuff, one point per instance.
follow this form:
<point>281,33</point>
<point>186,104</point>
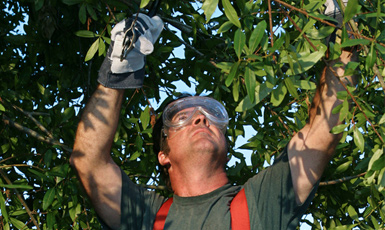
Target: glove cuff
<point>128,80</point>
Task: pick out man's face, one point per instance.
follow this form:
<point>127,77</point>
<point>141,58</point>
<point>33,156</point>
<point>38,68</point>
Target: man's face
<point>196,131</point>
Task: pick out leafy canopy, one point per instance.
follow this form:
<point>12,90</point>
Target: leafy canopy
<point>262,59</point>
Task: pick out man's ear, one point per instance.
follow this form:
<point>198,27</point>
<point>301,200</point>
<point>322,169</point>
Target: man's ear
<point>163,159</point>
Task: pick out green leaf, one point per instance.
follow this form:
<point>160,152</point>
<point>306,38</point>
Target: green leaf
<point>85,34</point>
<point>135,155</point>
<point>371,58</point>
<point>351,9</point>
<point>355,42</point>
<point>102,47</point>
<point>305,61</point>
<point>291,88</point>
<point>16,186</point>
<point>303,84</point>
<point>236,91</point>
<point>145,117</point>
<point>72,2</point>
<point>377,154</point>
<point>352,213</point>
<point>91,52</point>
<point>378,164</point>
<point>239,42</point>
<point>339,128</point>
<point>209,7</point>
<point>5,148</point>
<point>278,94</point>
<point>257,35</point>
<point>74,211</point>
<point>225,27</point>
<point>2,108</point>
<point>49,197</point>
<point>144,3</point>
<point>41,88</point>
<point>51,220</point>
<point>358,139</point>
<point>261,91</point>
<point>381,179</point>
<point>344,112</point>
<point>39,4</point>
<point>92,12</point>
<point>230,13</point>
<point>17,223</point>
<point>83,17</point>
<point>3,208</point>
<point>251,83</point>
<point>343,167</point>
<point>232,74</point>
<point>48,157</point>
<point>68,114</point>
<point>382,120</point>
<point>380,48</point>
<point>224,66</point>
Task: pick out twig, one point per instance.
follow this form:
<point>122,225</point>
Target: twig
<point>112,14</point>
<point>20,199</point>
<point>270,23</point>
<point>299,29</point>
<point>355,101</point>
<point>39,125</point>
<point>341,180</point>
<point>20,165</point>
<point>188,45</point>
<point>34,134</point>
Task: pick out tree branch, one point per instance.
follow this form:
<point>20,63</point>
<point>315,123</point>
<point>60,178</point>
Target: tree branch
<point>270,24</point>
<point>341,180</point>
<point>355,101</point>
<point>39,125</point>
<point>20,199</point>
<point>34,134</point>
<point>299,29</point>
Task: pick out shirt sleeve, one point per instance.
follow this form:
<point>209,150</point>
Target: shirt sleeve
<point>138,205</point>
<point>271,198</point>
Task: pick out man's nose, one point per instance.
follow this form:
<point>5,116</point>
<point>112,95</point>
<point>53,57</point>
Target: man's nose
<point>199,119</point>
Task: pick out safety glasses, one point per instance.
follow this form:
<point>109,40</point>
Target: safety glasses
<point>180,113</point>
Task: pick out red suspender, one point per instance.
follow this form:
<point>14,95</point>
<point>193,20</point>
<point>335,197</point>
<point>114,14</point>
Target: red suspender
<point>238,210</point>
<point>160,218</point>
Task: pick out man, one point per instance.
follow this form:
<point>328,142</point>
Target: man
<point>192,148</point>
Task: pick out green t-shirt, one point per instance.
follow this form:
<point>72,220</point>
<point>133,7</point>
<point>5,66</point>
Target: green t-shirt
<point>270,198</point>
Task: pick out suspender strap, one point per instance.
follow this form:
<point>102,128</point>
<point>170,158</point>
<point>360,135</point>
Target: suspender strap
<point>238,210</point>
<point>161,216</point>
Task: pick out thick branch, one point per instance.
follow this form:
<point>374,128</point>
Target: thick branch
<point>34,134</point>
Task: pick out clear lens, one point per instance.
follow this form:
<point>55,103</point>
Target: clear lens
<point>179,113</point>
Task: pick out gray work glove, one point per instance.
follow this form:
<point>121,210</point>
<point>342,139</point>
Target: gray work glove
<point>126,70</point>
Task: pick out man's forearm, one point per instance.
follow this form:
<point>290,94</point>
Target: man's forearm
<point>97,127</point>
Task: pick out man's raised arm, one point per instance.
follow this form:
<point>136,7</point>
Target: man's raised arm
<point>123,68</point>
<point>312,147</point>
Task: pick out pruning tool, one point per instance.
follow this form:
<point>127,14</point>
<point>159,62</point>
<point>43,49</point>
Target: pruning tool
<point>130,36</point>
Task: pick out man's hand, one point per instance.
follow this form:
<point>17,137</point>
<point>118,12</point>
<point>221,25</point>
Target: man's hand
<point>131,40</point>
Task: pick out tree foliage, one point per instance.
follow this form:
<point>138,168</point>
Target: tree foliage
<point>262,59</point>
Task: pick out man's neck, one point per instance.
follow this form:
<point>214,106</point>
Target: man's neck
<point>195,184</point>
